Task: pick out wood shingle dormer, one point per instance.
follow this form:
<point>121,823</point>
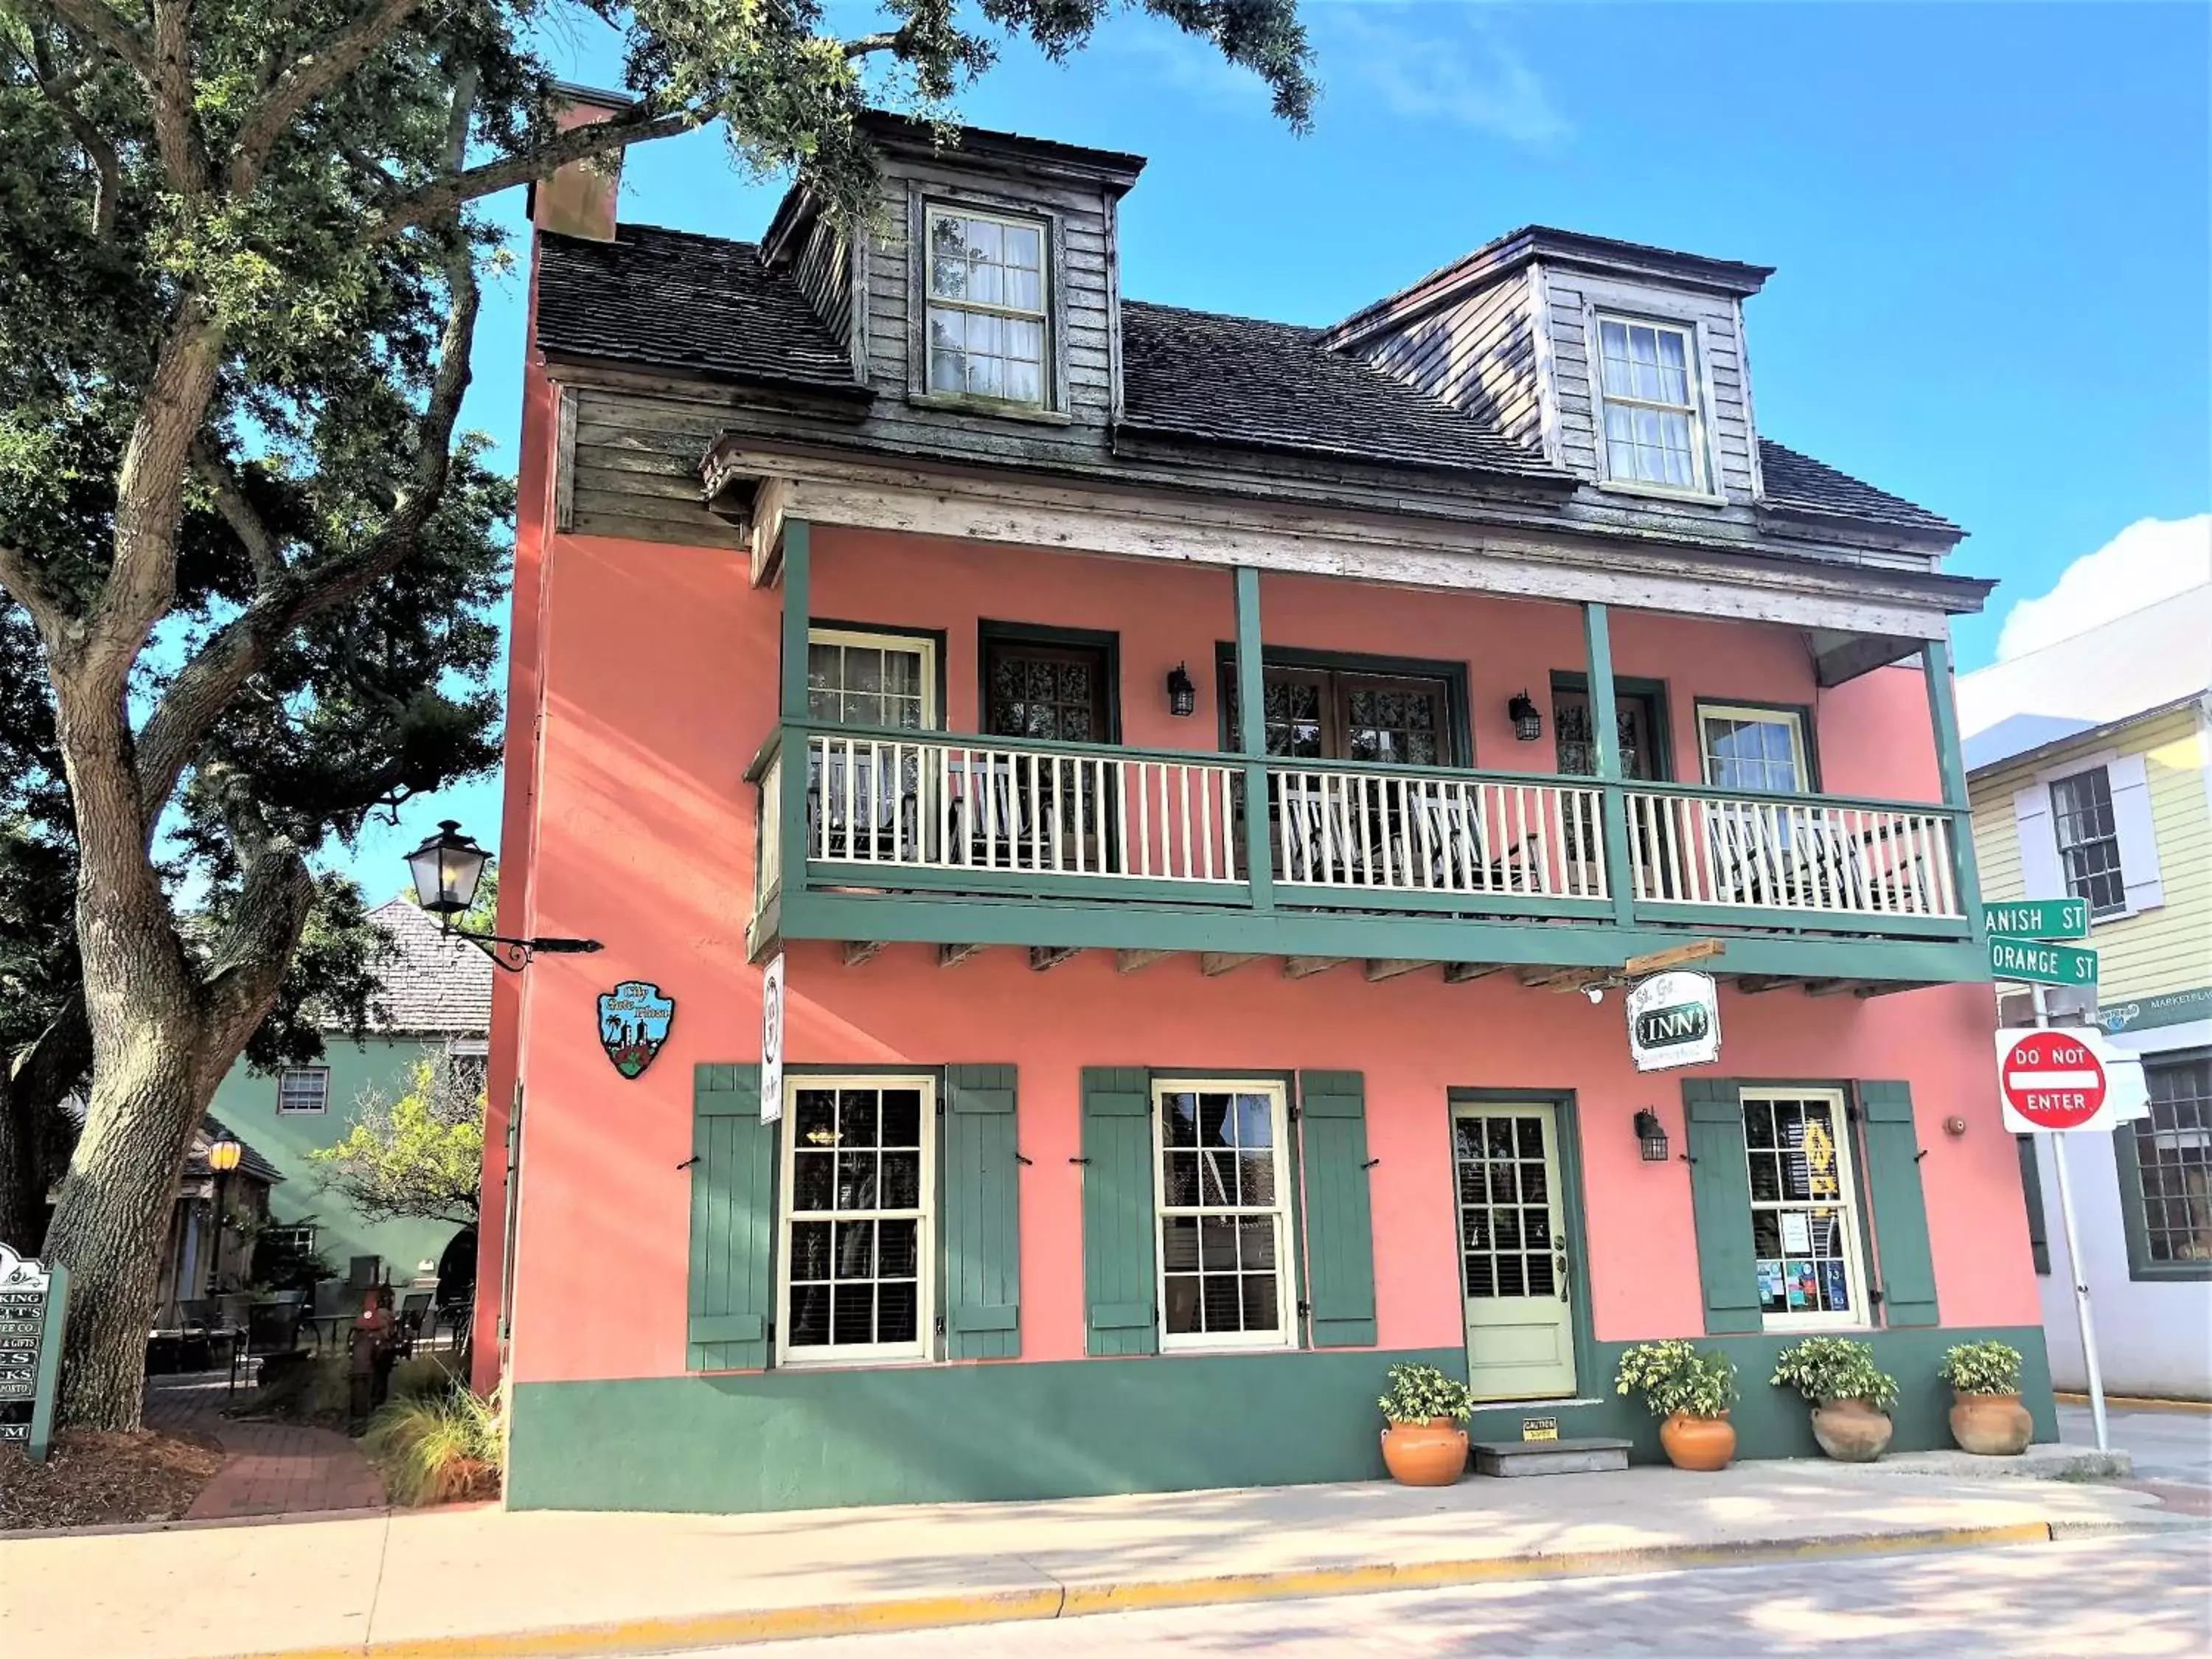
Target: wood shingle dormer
<point>1517,334</point>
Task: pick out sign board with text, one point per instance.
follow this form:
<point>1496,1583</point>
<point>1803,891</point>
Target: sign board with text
<point>2043,919</point>
<point>2037,964</point>
<point>2065,1079</point>
<point>1674,1019</point>
<point>34,1313</point>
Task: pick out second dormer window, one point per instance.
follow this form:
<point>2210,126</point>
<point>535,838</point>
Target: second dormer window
<point>986,307</point>
<point>1648,375</point>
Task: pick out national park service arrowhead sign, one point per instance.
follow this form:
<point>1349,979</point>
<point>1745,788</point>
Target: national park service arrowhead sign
<point>634,1022</point>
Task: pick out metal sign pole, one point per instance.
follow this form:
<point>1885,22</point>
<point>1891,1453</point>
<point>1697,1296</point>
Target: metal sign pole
<point>2074,1259</point>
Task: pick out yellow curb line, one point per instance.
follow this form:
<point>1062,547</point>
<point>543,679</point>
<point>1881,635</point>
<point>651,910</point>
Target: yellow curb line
<point>638,1636</point>
<point>2139,1402</point>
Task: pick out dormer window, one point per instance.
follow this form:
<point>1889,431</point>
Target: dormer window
<point>1648,381</point>
<point>987,307</point>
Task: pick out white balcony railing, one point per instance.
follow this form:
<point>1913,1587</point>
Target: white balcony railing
<point>933,803</point>
<point>1404,831</point>
<point>1860,859</point>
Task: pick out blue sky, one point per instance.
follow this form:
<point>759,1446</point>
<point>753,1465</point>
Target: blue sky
<point>1990,224</point>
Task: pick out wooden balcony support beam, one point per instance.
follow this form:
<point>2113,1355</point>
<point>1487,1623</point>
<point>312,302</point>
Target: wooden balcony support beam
<point>1307,967</point>
<point>1466,973</point>
<point>1045,957</point>
<point>1382,967</point>
<point>951,956</point>
<point>1832,987</point>
<point>858,950</point>
<point>1883,988</point>
<point>1214,963</point>
<point>1130,962</point>
<point>1753,984</point>
<point>1566,979</point>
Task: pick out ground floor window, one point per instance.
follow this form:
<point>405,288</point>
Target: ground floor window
<point>2172,1177</point>
<point>856,1188</point>
<point>1804,1226</point>
<point>1226,1275</point>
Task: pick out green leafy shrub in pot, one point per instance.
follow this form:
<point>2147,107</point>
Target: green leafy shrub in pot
<point>1826,1369</point>
<point>1421,1394</point>
<point>1677,1376</point>
<point>1982,1368</point>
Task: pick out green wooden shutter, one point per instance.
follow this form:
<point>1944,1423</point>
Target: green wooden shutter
<point>1904,1262</point>
<point>1119,1292</point>
<point>982,1215</point>
<point>733,1222</point>
<point>1719,1202</point>
<point>1339,1231</point>
<point>2031,1190</point>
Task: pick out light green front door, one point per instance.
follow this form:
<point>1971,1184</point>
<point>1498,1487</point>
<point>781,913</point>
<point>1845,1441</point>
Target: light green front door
<point>1514,1274</point>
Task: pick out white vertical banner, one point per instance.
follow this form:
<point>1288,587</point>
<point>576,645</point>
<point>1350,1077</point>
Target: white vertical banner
<point>772,1041</point>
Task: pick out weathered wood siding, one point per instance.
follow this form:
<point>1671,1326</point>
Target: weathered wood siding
<point>1570,296</point>
<point>1479,353</point>
<point>824,271</point>
<point>1083,317</point>
<point>636,470</point>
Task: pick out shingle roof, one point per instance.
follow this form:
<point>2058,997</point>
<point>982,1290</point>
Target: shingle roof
<point>675,299</point>
<point>1801,483</point>
<point>432,981</point>
<point>1239,380</point>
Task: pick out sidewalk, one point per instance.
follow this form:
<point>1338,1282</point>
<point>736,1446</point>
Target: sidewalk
<point>479,1581</point>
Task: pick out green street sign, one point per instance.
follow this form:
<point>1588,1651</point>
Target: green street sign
<point>2042,964</point>
<point>2066,918</point>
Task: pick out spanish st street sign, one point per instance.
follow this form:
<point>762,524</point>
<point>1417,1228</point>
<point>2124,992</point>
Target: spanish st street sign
<point>2035,963</point>
<point>2063,918</point>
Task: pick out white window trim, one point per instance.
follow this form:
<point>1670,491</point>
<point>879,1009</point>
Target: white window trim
<point>1847,1201</point>
<point>2142,884</point>
<point>921,645</point>
<point>307,1227</point>
<point>323,1104</point>
<point>921,1350</point>
<point>1701,447</point>
<point>1287,1276</point>
<point>1046,402</point>
<point>1727,711</point>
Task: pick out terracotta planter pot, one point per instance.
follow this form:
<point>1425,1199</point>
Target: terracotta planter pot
<point>1850,1431</point>
<point>1704,1443</point>
<point>1430,1454</point>
<point>1992,1425</point>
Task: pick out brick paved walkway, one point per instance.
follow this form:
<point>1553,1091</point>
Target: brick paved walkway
<point>269,1468</point>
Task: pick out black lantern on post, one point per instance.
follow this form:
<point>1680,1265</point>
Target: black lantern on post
<point>223,1156</point>
<point>446,869</point>
<point>1183,695</point>
<point>1527,721</point>
<point>1651,1136</point>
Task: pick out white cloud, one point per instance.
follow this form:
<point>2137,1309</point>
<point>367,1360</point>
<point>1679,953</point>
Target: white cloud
<point>1469,77</point>
<point>2152,559</point>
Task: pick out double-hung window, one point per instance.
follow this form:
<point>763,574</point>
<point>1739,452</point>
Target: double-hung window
<point>855,677</point>
<point>1758,749</point>
<point>1804,1216</point>
<point>864,802</point>
<point>857,1218</point>
<point>1227,1276</point>
<point>987,313</point>
<point>302,1089</point>
<point>2088,837</point>
<point>2167,1193</point>
<point>1648,392</point>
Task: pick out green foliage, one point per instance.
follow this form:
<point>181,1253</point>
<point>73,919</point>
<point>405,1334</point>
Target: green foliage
<point>1826,1369</point>
<point>419,1156</point>
<point>1419,1393</point>
<point>423,1374</point>
<point>434,1447</point>
<point>279,1263</point>
<point>1678,1376</point>
<point>1982,1368</point>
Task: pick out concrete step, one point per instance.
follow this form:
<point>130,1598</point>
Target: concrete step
<point>1587,1456</point>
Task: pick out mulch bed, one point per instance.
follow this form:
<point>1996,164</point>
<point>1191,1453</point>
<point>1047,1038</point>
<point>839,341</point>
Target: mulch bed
<point>98,1478</point>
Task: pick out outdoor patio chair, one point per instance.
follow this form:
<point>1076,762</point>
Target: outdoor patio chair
<point>1320,834</point>
<point>1002,816</point>
<point>414,1309</point>
<point>852,812</point>
<point>271,1327</point>
<point>1450,828</point>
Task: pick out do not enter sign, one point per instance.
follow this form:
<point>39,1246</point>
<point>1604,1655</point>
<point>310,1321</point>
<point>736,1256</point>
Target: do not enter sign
<point>2050,1080</point>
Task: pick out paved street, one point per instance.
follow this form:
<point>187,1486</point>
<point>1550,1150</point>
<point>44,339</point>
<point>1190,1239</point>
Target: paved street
<point>2170,1447</point>
<point>2110,1597</point>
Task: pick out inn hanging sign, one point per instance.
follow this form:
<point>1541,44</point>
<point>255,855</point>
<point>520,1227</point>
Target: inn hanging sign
<point>1674,1019</point>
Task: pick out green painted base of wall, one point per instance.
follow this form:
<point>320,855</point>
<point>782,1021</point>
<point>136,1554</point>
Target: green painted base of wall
<point>784,1440</point>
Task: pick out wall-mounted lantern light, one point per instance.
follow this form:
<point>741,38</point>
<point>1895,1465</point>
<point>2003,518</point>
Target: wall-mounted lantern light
<point>1182,695</point>
<point>1527,721</point>
<point>222,1154</point>
<point>1651,1136</point>
<point>446,869</point>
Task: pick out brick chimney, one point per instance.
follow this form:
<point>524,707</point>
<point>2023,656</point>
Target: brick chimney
<point>580,198</point>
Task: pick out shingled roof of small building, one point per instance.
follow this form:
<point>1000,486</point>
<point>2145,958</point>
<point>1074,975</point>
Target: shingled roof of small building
<point>433,984</point>
<point>704,305</point>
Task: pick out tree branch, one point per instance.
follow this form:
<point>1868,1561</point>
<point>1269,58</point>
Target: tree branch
<point>176,118</point>
<point>98,21</point>
<point>577,144</point>
<point>251,956</point>
<point>308,77</point>
<point>245,523</point>
<point>891,40</point>
<point>90,139</point>
<point>50,612</point>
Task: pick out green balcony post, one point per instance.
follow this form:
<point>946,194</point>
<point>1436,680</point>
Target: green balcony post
<point>1598,640</point>
<point>1252,739</point>
<point>1951,768</point>
<point>796,754</point>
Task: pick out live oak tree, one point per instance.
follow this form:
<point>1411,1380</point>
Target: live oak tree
<point>238,288</point>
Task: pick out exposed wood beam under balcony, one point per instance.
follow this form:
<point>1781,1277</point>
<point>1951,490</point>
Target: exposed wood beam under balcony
<point>858,950</point>
<point>1130,962</point>
<point>1214,963</point>
<point>1044,957</point>
<point>1754,984</point>
<point>1466,973</point>
<point>951,956</point>
<point>1307,967</point>
<point>1382,967</point>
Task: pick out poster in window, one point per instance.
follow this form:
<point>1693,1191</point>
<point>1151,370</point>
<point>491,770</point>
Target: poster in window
<point>1840,1296</point>
<point>1769,1284</point>
<point>1804,1285</point>
<point>1797,1233</point>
